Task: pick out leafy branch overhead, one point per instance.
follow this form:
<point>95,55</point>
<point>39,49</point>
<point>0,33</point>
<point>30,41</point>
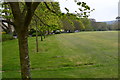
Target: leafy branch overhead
<point>47,11</point>
<point>83,10</point>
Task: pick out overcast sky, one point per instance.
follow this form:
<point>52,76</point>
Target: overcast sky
<point>105,10</point>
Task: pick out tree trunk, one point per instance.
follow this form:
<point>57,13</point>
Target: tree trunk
<point>44,36</point>
<point>21,22</point>
<point>44,33</point>
<point>48,31</point>
<point>36,39</point>
<point>41,38</point>
<point>24,56</point>
<point>41,35</point>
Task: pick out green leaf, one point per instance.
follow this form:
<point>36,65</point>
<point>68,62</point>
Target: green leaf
<point>83,4</point>
<point>79,3</point>
<point>85,13</point>
<point>80,9</point>
<point>87,7</point>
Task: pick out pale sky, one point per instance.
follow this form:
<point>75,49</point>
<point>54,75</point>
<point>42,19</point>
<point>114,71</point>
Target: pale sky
<point>105,10</point>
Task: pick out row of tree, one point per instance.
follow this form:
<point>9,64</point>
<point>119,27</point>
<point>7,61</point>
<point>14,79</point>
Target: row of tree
<point>85,24</point>
<point>44,17</point>
<point>103,26</point>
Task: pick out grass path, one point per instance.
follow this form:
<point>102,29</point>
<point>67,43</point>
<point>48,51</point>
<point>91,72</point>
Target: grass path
<point>73,55</point>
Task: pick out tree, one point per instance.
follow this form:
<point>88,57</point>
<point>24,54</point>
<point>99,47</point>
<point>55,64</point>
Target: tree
<point>78,25</point>
<point>46,21</point>
<point>86,22</point>
<point>78,18</point>
<point>21,21</point>
<point>68,22</point>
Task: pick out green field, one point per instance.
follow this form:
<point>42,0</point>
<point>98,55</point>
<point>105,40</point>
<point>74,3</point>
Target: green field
<point>69,55</point>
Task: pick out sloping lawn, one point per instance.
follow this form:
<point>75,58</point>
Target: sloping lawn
<point>70,55</point>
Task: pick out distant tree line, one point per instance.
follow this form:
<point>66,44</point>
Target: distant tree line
<point>85,24</point>
<point>103,26</point>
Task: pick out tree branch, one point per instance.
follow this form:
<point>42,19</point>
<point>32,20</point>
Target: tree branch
<point>31,7</point>
<point>42,21</point>
<point>24,10</point>
<point>35,5</point>
<point>15,10</point>
<point>49,8</point>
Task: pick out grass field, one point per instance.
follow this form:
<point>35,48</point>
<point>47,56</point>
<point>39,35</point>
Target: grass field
<point>0,59</point>
<point>70,55</point>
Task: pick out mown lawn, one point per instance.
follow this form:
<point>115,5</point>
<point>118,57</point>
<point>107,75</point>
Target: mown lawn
<point>70,55</point>
<point>0,59</point>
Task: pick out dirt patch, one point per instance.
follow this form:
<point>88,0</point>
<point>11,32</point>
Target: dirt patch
<point>77,65</point>
<point>84,64</point>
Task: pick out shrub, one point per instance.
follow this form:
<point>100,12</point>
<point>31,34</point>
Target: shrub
<point>34,34</point>
<point>7,37</point>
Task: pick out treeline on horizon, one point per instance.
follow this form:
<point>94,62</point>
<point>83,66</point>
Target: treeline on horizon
<point>85,24</point>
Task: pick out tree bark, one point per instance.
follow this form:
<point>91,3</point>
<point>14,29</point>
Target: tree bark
<point>48,31</point>
<point>44,33</point>
<point>36,40</point>
<point>41,35</point>
<point>24,56</point>
<point>44,36</point>
<point>36,36</point>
